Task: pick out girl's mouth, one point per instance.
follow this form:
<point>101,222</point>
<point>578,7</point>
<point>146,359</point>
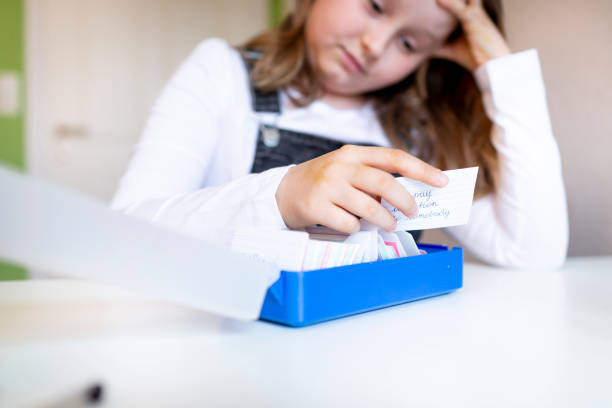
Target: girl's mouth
<point>351,62</point>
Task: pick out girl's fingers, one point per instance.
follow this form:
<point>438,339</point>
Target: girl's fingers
<point>483,37</point>
<point>458,7</point>
<point>383,184</point>
<point>335,188</point>
<point>339,219</point>
<point>361,204</point>
<point>397,161</point>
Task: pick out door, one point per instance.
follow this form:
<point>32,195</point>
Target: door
<point>95,69</point>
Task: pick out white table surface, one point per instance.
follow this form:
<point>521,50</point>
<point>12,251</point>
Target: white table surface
<point>507,338</point>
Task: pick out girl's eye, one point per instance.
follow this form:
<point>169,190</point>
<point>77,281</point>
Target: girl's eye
<point>407,45</point>
<point>376,7</point>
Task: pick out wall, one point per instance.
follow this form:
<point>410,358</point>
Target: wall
<point>12,128</point>
<point>574,41</point>
<point>11,59</point>
<point>276,10</point>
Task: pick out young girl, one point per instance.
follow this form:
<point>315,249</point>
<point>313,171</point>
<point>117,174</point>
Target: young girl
<point>308,123</point>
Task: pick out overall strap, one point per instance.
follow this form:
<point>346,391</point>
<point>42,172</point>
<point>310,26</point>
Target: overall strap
<point>261,101</point>
<point>265,101</point>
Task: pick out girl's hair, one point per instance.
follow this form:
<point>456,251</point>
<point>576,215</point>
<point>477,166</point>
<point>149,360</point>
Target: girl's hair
<point>436,112</point>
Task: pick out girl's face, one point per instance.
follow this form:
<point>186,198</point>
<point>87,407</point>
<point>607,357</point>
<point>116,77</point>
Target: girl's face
<point>357,46</point>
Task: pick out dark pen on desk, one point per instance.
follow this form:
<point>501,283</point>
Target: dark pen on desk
<point>91,395</point>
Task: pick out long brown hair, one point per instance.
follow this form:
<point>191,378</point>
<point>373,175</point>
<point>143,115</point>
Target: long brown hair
<point>436,112</point>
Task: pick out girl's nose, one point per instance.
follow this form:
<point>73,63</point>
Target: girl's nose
<point>374,42</point>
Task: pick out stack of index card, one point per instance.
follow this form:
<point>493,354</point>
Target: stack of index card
<point>303,251</point>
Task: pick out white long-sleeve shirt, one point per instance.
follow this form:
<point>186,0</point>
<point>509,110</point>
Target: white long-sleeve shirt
<point>190,170</point>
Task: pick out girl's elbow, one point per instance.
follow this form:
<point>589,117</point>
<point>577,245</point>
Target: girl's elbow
<point>532,256</point>
<point>546,257</point>
<point>554,260</point>
<point>547,251</point>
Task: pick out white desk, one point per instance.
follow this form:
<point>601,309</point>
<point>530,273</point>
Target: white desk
<point>508,338</point>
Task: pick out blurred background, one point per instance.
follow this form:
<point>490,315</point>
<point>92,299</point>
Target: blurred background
<point>78,78</point>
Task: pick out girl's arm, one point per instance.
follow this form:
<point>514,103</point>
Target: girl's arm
<point>166,178</point>
<point>524,223</point>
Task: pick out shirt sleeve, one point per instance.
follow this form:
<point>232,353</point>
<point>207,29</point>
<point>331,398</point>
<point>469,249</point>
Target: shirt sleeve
<point>164,181</point>
<point>524,222</point>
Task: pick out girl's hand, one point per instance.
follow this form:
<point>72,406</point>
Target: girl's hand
<point>335,188</point>
<point>481,40</point>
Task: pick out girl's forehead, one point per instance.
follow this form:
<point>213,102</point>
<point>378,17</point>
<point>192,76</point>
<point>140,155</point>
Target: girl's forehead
<point>424,15</point>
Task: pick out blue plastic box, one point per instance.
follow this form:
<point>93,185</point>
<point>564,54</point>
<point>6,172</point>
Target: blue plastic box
<point>304,298</point>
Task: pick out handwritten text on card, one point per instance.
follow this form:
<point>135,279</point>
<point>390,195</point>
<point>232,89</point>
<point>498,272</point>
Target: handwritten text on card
<point>438,207</point>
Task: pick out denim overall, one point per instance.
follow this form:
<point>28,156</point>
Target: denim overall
<point>278,147</point>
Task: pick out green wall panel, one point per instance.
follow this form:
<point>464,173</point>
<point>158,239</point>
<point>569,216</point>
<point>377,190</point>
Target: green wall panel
<point>276,10</point>
<point>12,140</point>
